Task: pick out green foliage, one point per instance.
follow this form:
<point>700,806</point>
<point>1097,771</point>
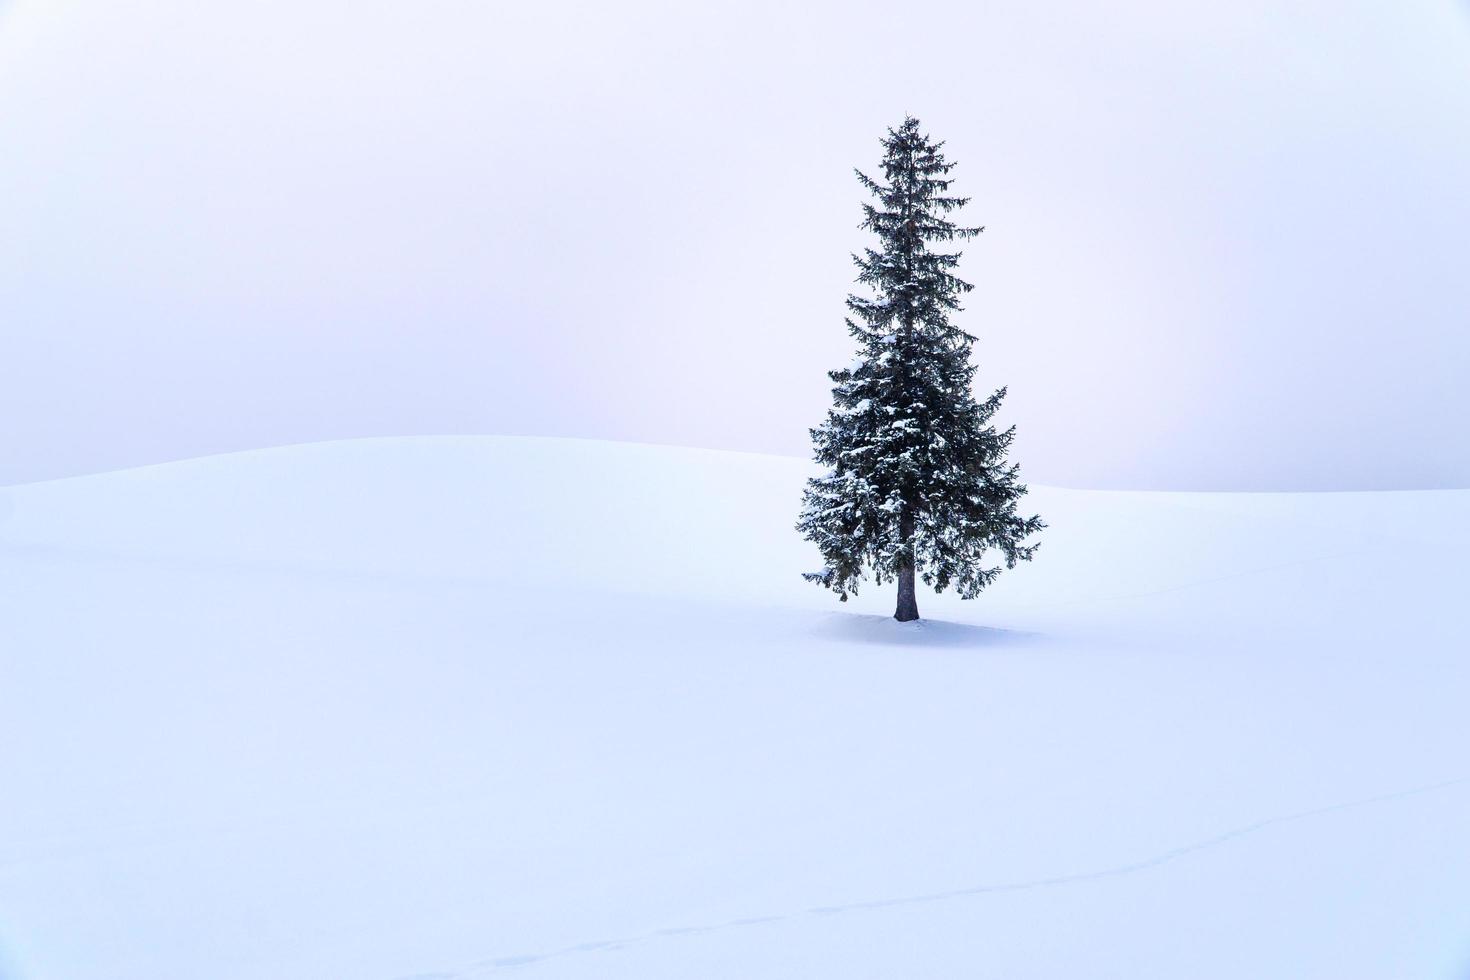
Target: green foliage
<point>916,473</point>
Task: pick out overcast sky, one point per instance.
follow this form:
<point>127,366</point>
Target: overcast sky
<point>1227,244</point>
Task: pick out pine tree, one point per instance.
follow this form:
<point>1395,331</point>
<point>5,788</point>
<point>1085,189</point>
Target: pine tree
<point>917,477</point>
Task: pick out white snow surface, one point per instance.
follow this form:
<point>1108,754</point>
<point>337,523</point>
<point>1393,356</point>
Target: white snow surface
<point>470,707</point>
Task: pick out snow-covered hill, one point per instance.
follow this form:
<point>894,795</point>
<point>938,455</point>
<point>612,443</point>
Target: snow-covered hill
<point>464,707</point>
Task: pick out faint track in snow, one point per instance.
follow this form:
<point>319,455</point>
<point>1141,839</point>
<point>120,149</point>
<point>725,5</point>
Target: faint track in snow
<point>485,967</point>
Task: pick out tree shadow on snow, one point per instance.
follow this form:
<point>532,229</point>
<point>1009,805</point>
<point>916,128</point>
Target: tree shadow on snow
<point>930,633</point>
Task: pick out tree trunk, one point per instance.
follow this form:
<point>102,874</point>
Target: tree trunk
<point>908,603</point>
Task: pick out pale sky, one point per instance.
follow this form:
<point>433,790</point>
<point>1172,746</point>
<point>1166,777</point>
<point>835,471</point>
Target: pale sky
<point>1227,243</point>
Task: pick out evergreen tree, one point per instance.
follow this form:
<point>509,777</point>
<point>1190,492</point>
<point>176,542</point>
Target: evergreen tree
<point>917,478</point>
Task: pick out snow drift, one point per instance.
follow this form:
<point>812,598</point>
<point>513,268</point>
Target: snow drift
<point>453,707</point>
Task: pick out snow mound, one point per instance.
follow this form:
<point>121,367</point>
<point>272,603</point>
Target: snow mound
<point>452,707</point>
